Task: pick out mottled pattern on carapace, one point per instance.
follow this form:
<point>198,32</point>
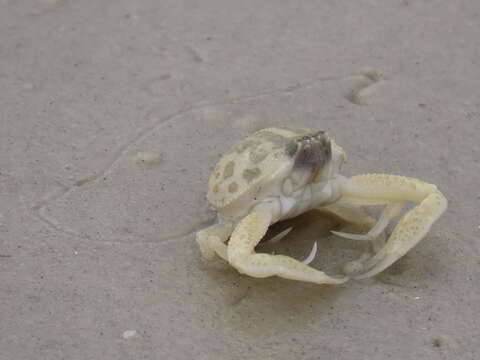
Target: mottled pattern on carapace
<point>246,164</point>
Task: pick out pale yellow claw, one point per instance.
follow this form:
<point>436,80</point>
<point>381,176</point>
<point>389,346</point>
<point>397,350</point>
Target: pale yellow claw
<point>412,227</point>
<point>211,241</point>
<point>390,211</point>
<point>355,215</point>
<point>241,255</point>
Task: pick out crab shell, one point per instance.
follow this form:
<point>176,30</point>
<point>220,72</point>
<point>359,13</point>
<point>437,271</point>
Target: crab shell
<point>261,166</point>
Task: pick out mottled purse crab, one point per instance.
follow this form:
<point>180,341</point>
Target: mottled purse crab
<point>279,173</point>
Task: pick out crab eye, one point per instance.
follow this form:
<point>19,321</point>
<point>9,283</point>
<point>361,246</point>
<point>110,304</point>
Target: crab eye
<point>312,153</point>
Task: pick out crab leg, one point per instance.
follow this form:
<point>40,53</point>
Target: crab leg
<point>355,215</point>
<point>350,213</point>
<point>212,241</point>
<point>390,211</point>
<point>411,228</point>
<point>242,256</point>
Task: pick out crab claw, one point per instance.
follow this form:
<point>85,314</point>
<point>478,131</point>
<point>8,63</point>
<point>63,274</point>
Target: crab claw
<point>390,211</point>
<point>352,236</point>
<point>410,229</point>
<point>241,254</point>
<point>312,254</point>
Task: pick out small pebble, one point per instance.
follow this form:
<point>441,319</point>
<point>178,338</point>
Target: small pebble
<point>130,334</point>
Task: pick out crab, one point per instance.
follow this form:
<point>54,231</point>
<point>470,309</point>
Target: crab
<point>279,173</point>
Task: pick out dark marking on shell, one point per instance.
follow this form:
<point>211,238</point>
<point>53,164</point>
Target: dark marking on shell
<point>233,187</point>
<point>251,143</point>
<point>291,148</point>
<point>228,170</point>
<point>251,174</point>
<point>258,155</point>
<point>278,141</point>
